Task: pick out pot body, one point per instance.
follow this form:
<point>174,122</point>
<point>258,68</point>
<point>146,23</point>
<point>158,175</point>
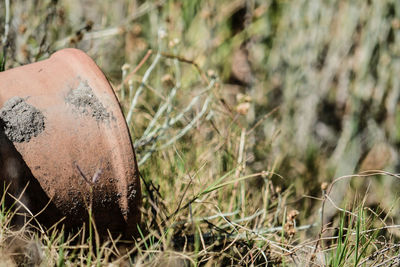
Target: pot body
<point>64,134</point>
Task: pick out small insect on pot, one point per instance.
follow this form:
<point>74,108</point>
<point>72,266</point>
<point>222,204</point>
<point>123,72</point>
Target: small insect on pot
<point>65,146</point>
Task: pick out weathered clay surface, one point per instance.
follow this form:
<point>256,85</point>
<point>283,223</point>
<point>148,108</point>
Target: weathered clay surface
<point>62,132</point>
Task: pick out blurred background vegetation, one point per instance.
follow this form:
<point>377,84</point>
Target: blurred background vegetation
<point>306,89</point>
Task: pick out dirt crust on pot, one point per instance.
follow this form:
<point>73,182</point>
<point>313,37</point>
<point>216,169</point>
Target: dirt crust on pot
<point>86,102</point>
<point>22,121</point>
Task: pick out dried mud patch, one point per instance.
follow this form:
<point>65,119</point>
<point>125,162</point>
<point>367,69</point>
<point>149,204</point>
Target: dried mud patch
<point>21,120</point>
<point>86,102</point>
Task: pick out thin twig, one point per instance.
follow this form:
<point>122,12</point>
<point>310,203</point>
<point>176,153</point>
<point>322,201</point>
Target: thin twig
<point>182,59</point>
<point>340,209</point>
<point>151,136</point>
<point>120,29</point>
<point>189,126</point>
<point>141,87</point>
<point>4,40</point>
<point>6,23</point>
<point>262,119</point>
<point>129,76</point>
<point>239,170</point>
<point>322,229</point>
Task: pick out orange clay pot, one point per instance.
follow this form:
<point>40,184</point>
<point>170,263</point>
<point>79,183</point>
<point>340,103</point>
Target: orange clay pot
<point>65,146</point>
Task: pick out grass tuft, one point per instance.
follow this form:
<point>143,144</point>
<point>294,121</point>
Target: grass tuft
<point>266,131</point>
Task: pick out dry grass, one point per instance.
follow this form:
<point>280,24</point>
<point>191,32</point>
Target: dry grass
<point>243,113</point>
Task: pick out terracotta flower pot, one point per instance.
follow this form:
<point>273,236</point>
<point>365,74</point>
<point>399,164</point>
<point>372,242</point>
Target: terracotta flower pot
<point>63,137</point>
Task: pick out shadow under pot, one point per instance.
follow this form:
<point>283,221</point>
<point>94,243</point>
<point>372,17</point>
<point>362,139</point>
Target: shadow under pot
<point>65,145</point>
